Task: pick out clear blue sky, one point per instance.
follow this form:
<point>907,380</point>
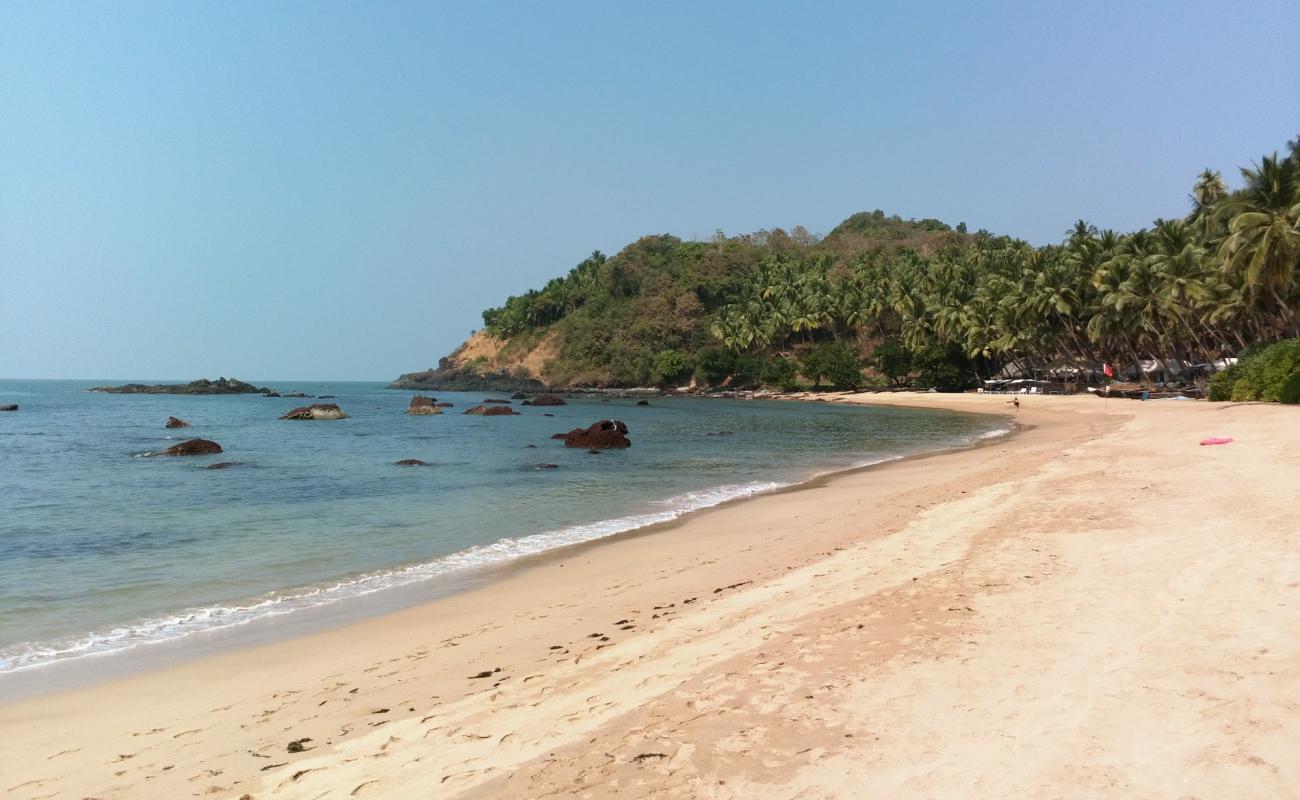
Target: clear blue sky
<point>325,190</point>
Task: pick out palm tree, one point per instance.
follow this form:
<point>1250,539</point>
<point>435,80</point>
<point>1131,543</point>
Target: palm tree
<point>1263,241</point>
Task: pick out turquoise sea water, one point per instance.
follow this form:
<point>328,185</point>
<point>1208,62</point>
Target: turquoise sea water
<point>103,549</point>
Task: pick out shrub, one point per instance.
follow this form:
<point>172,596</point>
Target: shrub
<point>836,362</point>
<point>714,364</point>
<point>1290,391</point>
<point>894,360</point>
<point>781,372</point>
<point>1264,372</point>
<point>1221,383</point>
<point>670,366</point>
<point>944,368</point>
<point>746,371</point>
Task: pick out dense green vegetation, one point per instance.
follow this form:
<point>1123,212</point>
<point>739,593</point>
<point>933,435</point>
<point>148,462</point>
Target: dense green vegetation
<point>924,304</point>
<point>1270,373</point>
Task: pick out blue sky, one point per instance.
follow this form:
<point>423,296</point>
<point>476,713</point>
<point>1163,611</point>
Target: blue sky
<point>327,190</point>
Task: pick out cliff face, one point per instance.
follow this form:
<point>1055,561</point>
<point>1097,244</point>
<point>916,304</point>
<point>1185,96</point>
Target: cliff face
<point>486,363</point>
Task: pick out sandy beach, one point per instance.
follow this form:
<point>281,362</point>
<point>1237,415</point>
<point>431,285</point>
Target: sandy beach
<point>1097,606</point>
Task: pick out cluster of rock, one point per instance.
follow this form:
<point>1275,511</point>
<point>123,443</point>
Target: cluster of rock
<point>493,411</point>
<point>316,411</point>
<point>450,378</point>
<point>421,406</point>
<point>604,435</point>
<point>191,447</point>
<point>201,386</point>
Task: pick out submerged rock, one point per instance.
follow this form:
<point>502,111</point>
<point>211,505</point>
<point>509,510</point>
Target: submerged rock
<point>223,465</point>
<point>421,405</point>
<point>9,407</point>
<point>546,400</point>
<point>608,433</point>
<point>317,411</point>
<point>410,462</point>
<point>177,422</point>
<point>444,405</point>
<point>192,447</point>
<point>492,411</point>
<point>519,396</point>
<point>643,402</point>
<point>494,400</point>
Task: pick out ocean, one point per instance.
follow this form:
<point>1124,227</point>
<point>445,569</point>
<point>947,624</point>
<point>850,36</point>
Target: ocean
<point>105,550</point>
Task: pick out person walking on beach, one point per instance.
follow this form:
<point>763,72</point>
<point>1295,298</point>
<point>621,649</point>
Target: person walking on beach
<point>1015,401</point>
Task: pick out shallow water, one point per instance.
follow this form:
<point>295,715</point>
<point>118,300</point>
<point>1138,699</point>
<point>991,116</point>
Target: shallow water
<point>103,549</point>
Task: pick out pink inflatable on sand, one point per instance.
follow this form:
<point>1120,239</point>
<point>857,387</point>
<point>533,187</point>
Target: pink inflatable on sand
<point>1216,440</point>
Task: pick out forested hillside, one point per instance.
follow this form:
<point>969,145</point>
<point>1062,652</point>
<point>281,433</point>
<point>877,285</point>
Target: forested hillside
<point>886,300</point>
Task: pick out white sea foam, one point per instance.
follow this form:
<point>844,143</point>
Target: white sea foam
<point>219,617</point>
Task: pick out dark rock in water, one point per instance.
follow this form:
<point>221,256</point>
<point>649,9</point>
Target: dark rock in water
<point>720,433</point>
<point>201,386</point>
<point>444,405</point>
<point>9,407</point>
<point>177,422</point>
<point>546,400</point>
<point>324,397</point>
<point>192,447</point>
<point>530,446</point>
<point>559,436</point>
<point>548,415</point>
<point>519,396</point>
<point>492,411</point>
<point>493,400</point>
<point>223,465</point>
<point>608,433</point>
<point>317,411</point>
<point>450,378</point>
<point>421,405</point>
<point>643,402</point>
<point>542,466</point>
<point>273,394</point>
<point>295,394</point>
<point>410,462</point>
<point>594,452</point>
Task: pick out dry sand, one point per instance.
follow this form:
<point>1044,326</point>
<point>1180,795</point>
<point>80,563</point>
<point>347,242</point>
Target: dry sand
<point>1096,607</point>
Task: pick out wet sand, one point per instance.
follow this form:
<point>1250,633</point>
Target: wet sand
<point>1096,606</point>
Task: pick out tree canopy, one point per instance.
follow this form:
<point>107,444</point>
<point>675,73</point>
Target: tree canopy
<point>938,305</point>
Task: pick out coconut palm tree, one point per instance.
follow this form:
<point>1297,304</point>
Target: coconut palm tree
<point>1263,241</point>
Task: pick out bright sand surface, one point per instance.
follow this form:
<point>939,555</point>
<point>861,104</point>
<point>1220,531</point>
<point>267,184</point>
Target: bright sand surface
<point>1094,607</point>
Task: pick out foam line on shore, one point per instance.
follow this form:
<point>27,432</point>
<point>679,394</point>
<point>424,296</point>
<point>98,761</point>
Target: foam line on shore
<point>192,621</point>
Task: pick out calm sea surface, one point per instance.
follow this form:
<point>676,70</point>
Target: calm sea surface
<point>103,549</point>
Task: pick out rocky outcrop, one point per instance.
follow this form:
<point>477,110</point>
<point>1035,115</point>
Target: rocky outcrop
<point>421,405</point>
<point>449,377</point>
<point>410,462</point>
<point>9,407</point>
<point>317,411</point>
<point>546,400</point>
<point>493,411</point>
<point>201,386</point>
<point>192,447</point>
<point>603,435</point>
<point>177,422</point>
